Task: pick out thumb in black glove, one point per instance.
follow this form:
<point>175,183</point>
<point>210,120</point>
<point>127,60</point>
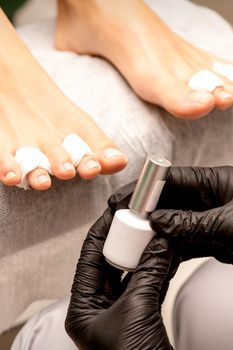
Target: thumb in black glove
<point>199,212</point>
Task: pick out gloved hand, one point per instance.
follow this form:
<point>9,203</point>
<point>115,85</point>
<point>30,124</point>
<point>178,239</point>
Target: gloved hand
<point>106,313</point>
<point>198,218</point>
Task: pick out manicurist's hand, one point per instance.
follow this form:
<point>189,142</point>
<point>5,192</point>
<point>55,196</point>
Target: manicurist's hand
<point>198,214</point>
<point>108,313</point>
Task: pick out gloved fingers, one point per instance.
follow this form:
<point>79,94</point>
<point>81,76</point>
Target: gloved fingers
<point>212,226</point>
<point>93,275</point>
<point>133,320</point>
<point>139,318</point>
<point>154,268</point>
<point>204,249</point>
<point>197,188</point>
<point>95,284</point>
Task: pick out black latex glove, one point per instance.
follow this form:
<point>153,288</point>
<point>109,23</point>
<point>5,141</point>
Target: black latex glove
<point>106,313</point>
<point>199,212</point>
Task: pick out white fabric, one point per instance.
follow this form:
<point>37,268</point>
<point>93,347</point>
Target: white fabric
<point>203,312</point>
<point>204,80</point>
<point>30,158</point>
<point>76,147</point>
<point>46,330</point>
<point>224,69</point>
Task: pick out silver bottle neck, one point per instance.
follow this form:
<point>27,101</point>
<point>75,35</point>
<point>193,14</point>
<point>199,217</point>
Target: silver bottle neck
<point>149,186</point>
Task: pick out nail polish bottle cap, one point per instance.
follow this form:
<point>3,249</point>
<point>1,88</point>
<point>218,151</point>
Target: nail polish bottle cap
<point>149,186</point>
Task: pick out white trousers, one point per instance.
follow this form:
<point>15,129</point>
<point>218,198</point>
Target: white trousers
<point>203,316</point>
<point>203,312</point>
<point>45,331</point>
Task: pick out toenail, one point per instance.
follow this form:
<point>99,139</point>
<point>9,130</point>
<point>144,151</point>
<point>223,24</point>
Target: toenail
<point>226,95</point>
<point>68,167</point>
<point>42,179</point>
<point>199,96</point>
<point>112,152</point>
<point>10,175</point>
<point>90,164</point>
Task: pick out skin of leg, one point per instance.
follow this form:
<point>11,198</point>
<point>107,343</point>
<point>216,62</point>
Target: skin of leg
<point>35,112</point>
<point>125,33</point>
<point>203,312</point>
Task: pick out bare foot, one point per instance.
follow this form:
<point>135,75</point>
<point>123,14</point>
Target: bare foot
<point>34,112</point>
<point>156,62</point>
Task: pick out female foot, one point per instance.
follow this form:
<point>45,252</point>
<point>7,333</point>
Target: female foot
<point>155,61</point>
<point>34,112</point>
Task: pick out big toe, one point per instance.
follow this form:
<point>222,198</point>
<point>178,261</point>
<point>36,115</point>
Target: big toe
<point>180,101</point>
<point>223,98</point>
<point>111,159</point>
<point>106,154</point>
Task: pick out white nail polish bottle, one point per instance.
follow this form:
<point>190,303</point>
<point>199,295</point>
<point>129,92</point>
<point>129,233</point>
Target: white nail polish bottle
<point>130,231</point>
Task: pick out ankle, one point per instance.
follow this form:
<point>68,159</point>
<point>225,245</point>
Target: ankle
<point>81,26</point>
<point>77,10</point>
<point>76,24</point>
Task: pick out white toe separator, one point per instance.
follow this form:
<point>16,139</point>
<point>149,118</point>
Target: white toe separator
<point>224,69</point>
<point>30,158</point>
<point>204,80</point>
<point>76,147</point>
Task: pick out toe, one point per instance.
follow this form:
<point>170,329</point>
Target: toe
<point>111,159</point>
<point>60,161</point>
<point>39,179</point>
<point>106,152</point>
<point>223,98</point>
<point>89,167</point>
<point>228,86</point>
<point>9,170</point>
<point>186,104</point>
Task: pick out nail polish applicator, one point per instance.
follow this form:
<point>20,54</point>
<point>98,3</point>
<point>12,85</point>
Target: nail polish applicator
<point>130,231</point>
